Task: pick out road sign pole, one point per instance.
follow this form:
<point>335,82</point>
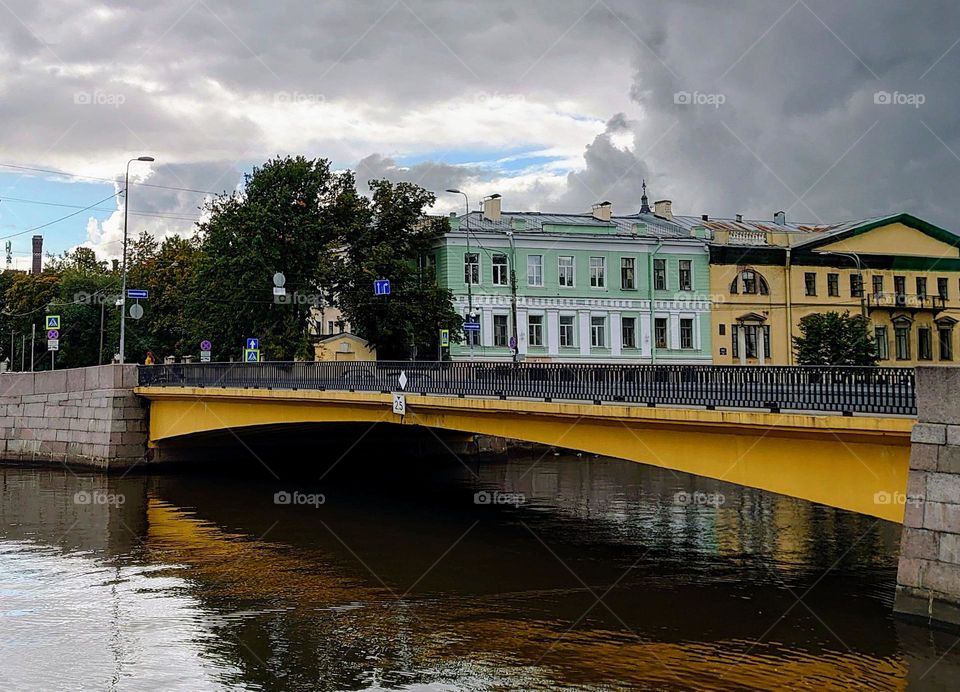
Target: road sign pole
<point>33,339</point>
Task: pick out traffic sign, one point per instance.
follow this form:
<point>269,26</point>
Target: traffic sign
<point>53,344</point>
<point>253,344</point>
<point>513,342</point>
<point>444,337</point>
<point>205,345</point>
<point>204,356</point>
<point>381,287</point>
<point>53,335</point>
<point>53,322</point>
<point>471,326</point>
<point>400,404</point>
<point>251,355</point>
<point>136,311</point>
<point>137,293</point>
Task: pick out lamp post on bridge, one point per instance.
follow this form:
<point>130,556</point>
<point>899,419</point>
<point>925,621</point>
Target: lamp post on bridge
<point>123,289</point>
<point>466,228</point>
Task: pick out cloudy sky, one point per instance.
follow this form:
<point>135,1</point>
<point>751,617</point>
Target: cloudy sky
<point>829,110</point>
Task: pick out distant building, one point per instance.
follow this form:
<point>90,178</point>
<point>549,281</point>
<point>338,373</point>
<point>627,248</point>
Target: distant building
<point>900,271</point>
<point>37,254</point>
<point>344,346</point>
<point>591,287</point>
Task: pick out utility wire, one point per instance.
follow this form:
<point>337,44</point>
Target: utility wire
<point>108,180</point>
<point>77,206</point>
<point>62,218</point>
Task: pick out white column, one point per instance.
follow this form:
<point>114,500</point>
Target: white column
<point>584,318</point>
<point>553,333</point>
<point>760,345</point>
<point>486,327</point>
<point>616,335</point>
<point>522,337</point>
<point>646,329</point>
<point>742,343</point>
<point>674,323</point>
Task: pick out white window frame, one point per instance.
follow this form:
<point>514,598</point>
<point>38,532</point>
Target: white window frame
<point>602,327</point>
<point>598,274</point>
<point>479,268</point>
<point>623,343</point>
<point>680,275</point>
<point>573,330</point>
<point>572,268</point>
<point>541,329</point>
<point>495,266</point>
<point>539,267</point>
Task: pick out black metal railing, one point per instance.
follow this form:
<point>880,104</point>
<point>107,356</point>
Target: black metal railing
<point>844,390</point>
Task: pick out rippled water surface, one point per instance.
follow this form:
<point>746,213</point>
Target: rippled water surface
<point>584,573</point>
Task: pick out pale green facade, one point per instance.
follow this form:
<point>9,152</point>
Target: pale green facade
<point>585,288</point>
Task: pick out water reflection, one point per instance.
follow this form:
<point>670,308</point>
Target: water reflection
<point>608,575</point>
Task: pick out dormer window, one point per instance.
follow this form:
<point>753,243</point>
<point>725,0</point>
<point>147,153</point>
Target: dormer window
<point>749,282</point>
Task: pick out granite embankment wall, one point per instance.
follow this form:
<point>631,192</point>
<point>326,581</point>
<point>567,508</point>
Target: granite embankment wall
<point>928,578</point>
<point>83,416</point>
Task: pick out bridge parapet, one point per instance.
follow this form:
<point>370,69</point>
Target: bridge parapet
<point>843,390</point>
<point>928,578</point>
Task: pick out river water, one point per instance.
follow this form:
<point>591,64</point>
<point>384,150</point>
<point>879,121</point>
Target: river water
<point>529,573</point>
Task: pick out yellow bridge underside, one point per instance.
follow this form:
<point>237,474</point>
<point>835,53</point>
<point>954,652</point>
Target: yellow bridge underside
<point>854,463</point>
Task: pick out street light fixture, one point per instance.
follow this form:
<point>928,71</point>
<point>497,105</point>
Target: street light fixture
<point>856,258</point>
<point>123,290</point>
<point>466,228</point>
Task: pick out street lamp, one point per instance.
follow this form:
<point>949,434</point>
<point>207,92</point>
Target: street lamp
<point>123,289</point>
<point>856,258</point>
<point>466,228</point>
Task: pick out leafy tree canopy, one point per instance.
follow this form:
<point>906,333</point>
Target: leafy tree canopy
<point>832,338</point>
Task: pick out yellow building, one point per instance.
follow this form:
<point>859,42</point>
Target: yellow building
<point>900,271</point>
<point>344,346</point>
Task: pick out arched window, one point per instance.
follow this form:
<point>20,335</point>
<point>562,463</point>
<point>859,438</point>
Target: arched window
<point>749,282</point>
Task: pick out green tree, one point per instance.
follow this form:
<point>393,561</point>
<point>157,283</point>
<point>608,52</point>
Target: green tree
<point>394,244</point>
<point>86,296</point>
<point>831,338</point>
<point>289,219</point>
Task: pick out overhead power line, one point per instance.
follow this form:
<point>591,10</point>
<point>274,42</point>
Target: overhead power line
<point>62,218</point>
<point>180,217</point>
<point>107,180</point>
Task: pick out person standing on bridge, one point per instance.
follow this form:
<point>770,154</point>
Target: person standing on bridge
<point>150,359</point>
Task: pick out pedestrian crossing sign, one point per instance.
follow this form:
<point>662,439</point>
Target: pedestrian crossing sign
<point>251,355</point>
<point>53,321</point>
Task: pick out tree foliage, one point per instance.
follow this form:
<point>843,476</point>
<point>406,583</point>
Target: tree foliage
<point>832,338</point>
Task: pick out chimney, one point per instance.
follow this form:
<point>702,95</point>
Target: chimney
<point>37,254</point>
<point>663,209</point>
<point>704,217</point>
<point>491,208</point>
<point>739,218</point>
<point>780,218</point>
<point>602,211</point>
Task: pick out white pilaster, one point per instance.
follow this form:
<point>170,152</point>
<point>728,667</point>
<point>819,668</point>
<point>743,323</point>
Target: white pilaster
<point>616,336</point>
<point>553,332</point>
<point>646,329</point>
<point>584,319</point>
<point>522,328</point>
<point>486,327</point>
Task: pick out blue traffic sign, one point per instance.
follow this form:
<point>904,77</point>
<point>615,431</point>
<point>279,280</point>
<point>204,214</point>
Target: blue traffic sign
<point>53,321</point>
<point>137,293</point>
<point>381,287</point>
<point>253,344</point>
<point>471,326</point>
<point>251,355</point>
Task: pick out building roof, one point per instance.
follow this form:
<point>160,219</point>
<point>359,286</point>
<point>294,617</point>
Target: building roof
<point>534,221</point>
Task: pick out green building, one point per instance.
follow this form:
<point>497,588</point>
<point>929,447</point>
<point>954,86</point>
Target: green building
<point>588,287</point>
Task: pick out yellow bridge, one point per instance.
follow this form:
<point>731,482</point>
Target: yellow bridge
<point>854,462</point>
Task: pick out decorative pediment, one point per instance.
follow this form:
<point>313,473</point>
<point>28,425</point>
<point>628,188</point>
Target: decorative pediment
<point>752,317</point>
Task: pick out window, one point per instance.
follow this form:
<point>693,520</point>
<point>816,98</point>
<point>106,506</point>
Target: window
<point>534,270</point>
<point>883,346</point>
<point>500,330</point>
<point>900,285</point>
<point>628,328</point>
<point>751,282</point>
<point>535,330</point>
<point>810,283</point>
<point>750,334</point>
<point>877,285</point>
<point>902,336</point>
<point>943,289</point>
<point>330,327</point>
<point>660,332</point>
<point>723,330</point>
<point>627,273</point>
<point>566,331</point>
<point>686,333</point>
<point>598,270</point>
<point>856,285</point>
<point>924,344</point>
<point>833,285</point>
<point>945,335</point>
<point>499,270</point>
<point>660,274</point>
<point>922,287</point>
<point>597,331</point>
<point>565,271</point>
<point>686,274</point>
<point>471,268</point>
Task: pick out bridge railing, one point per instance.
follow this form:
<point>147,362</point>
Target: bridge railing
<point>844,390</point>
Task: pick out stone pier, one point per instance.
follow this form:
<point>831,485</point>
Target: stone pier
<point>83,416</point>
<point>928,578</point>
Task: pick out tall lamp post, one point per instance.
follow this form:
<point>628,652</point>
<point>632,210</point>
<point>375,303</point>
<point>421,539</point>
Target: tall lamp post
<point>123,289</point>
<point>856,258</point>
<point>466,228</point>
